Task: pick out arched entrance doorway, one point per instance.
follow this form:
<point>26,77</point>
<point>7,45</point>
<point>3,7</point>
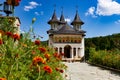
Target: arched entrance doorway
<point>67,51</point>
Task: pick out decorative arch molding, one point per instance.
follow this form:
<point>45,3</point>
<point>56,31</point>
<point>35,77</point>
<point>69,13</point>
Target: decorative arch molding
<point>68,39</point>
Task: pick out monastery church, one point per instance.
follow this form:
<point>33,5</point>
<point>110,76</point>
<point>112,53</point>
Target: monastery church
<point>65,38</point>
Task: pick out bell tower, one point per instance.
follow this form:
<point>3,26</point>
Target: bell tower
<point>77,22</point>
<point>62,19</point>
<point>54,22</point>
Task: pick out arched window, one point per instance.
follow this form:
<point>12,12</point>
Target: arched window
<point>59,40</point>
<point>75,41</point>
<point>56,39</point>
<point>71,40</point>
<point>63,40</point>
<point>79,40</point>
<point>67,39</point>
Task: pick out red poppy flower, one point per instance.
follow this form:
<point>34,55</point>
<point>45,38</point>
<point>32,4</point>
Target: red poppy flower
<point>16,36</point>
<point>9,34</point>
<point>61,71</point>
<point>48,69</point>
<point>47,56</point>
<point>57,69</point>
<point>55,54</point>
<point>1,42</point>
<point>3,79</point>
<point>37,60</point>
<point>37,42</point>
<point>43,50</point>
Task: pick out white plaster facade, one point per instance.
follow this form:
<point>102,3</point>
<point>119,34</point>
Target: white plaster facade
<point>76,48</point>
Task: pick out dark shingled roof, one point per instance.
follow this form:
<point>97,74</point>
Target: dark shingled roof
<point>67,29</point>
<point>62,19</point>
<point>54,19</point>
<point>77,19</point>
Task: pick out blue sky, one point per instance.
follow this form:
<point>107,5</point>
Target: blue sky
<point>101,17</point>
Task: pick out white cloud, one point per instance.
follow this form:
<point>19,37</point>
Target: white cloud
<point>108,7</point>
<point>91,11</point>
<point>34,4</point>
<point>27,8</point>
<point>31,5</point>
<point>68,20</point>
<point>117,22</point>
<point>104,8</point>
<point>39,13</point>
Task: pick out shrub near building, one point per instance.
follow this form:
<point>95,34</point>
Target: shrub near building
<point>24,59</point>
<point>106,58</point>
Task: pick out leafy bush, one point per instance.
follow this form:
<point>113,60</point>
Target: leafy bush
<point>105,58</point>
<point>24,59</point>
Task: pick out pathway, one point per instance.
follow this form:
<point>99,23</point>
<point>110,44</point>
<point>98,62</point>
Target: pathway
<point>84,71</point>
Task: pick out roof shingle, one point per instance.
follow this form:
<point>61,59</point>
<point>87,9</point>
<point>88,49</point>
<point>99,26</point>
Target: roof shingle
<point>77,19</point>
<point>54,19</point>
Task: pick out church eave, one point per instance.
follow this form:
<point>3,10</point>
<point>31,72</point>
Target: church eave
<point>53,21</point>
<point>77,22</point>
<point>69,33</point>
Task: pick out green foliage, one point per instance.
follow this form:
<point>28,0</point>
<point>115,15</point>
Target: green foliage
<point>24,59</point>
<point>105,58</point>
<point>110,42</point>
<point>7,24</point>
<point>104,43</point>
<point>104,50</point>
<point>44,43</point>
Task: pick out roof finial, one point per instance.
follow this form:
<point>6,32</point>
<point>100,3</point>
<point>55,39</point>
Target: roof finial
<point>62,9</point>
<point>54,7</point>
<point>76,8</point>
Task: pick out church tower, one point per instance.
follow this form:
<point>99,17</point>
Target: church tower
<point>62,19</point>
<point>54,22</point>
<point>77,22</point>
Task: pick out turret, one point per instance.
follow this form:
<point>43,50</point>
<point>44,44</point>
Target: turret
<point>54,21</point>
<point>62,19</point>
<point>77,22</point>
